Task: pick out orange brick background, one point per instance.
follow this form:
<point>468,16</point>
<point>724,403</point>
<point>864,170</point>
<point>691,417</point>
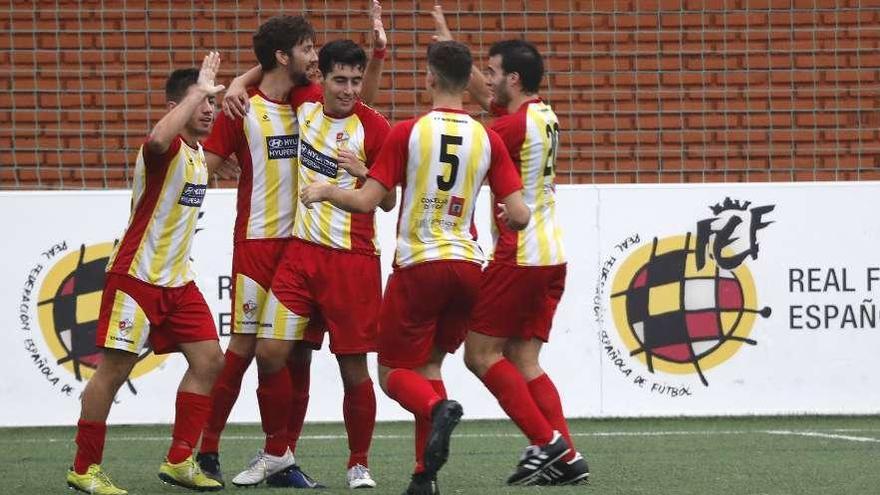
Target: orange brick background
<point>647,91</point>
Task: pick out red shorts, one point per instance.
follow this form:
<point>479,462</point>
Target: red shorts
<point>343,287</point>
<point>254,264</point>
<point>133,312</point>
<point>426,305</point>
<point>518,301</point>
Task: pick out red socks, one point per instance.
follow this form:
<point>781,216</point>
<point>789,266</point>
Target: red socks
<point>547,398</point>
<point>423,427</point>
<point>300,380</point>
<point>359,411</point>
<point>191,412</point>
<point>509,387</point>
<point>89,444</point>
<point>273,395</point>
<point>412,391</point>
<point>223,397</point>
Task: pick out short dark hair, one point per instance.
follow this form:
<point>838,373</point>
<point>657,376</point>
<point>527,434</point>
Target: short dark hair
<point>451,63</point>
<point>341,52</point>
<point>521,57</point>
<point>281,32</point>
<point>178,82</point>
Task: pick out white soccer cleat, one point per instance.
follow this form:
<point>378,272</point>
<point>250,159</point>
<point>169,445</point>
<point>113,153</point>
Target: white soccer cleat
<point>359,477</point>
<point>262,466</point>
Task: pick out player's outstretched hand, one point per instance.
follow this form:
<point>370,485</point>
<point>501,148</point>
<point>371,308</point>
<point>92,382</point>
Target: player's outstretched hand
<point>352,164</point>
<point>210,66</point>
<point>442,33</point>
<point>380,39</point>
<point>315,193</point>
<point>235,101</point>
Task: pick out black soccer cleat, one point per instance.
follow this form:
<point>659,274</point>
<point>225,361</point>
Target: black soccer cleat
<point>536,459</point>
<point>561,472</point>
<point>444,418</point>
<point>209,463</point>
<point>423,484</point>
<point>292,477</point>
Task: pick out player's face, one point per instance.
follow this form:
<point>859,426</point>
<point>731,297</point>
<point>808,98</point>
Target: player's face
<point>497,82</point>
<point>203,117</point>
<point>342,87</point>
<point>303,60</point>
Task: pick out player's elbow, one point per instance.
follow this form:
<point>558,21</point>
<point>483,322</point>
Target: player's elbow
<point>518,217</point>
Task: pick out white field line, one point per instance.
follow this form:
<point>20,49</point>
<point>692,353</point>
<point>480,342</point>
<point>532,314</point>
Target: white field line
<point>818,434</point>
<point>830,434</point>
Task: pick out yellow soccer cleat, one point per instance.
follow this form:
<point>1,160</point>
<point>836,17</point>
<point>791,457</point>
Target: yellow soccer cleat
<point>188,474</point>
<point>95,481</point>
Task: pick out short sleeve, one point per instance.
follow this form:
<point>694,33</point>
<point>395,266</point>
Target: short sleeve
<point>376,129</point>
<point>512,131</point>
<point>154,161</point>
<point>503,177</point>
<point>389,168</point>
<point>225,135</point>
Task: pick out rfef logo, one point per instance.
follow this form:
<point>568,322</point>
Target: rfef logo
<point>683,304</point>
<point>67,306</point>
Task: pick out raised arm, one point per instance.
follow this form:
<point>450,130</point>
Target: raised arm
<point>379,42</point>
<point>235,101</point>
<point>363,200</point>
<point>169,126</point>
<point>477,85</point>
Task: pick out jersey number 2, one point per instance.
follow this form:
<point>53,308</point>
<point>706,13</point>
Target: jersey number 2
<point>553,135</point>
<point>446,157</point>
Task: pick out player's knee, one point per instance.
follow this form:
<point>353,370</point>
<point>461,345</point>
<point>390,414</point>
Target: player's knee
<point>480,359</point>
<point>215,365</point>
<point>271,355</point>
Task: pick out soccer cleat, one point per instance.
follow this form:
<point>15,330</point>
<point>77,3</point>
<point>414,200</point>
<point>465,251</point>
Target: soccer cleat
<point>423,484</point>
<point>292,477</point>
<point>94,481</point>
<point>188,474</point>
<point>573,472</point>
<point>444,418</point>
<point>358,476</point>
<point>210,465</point>
<point>262,466</point>
<point>538,458</point>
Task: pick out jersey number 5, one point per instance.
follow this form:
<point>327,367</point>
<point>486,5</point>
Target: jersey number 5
<point>553,135</point>
<point>446,157</point>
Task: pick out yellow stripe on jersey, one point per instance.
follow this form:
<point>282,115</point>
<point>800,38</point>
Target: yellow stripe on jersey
<point>272,175</point>
<point>168,220</point>
<point>321,139</point>
<point>536,176</point>
<point>435,221</point>
<point>540,244</point>
<point>270,130</point>
<point>152,250</point>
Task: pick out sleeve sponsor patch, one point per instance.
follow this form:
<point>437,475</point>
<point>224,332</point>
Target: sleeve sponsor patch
<point>192,194</point>
<point>313,159</point>
<point>283,146</point>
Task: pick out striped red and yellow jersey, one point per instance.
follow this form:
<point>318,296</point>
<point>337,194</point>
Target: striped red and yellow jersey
<point>265,143</point>
<point>321,137</point>
<point>531,135</point>
<point>167,194</point>
<point>441,159</point>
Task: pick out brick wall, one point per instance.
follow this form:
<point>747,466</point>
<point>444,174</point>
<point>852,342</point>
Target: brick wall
<point>647,91</point>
